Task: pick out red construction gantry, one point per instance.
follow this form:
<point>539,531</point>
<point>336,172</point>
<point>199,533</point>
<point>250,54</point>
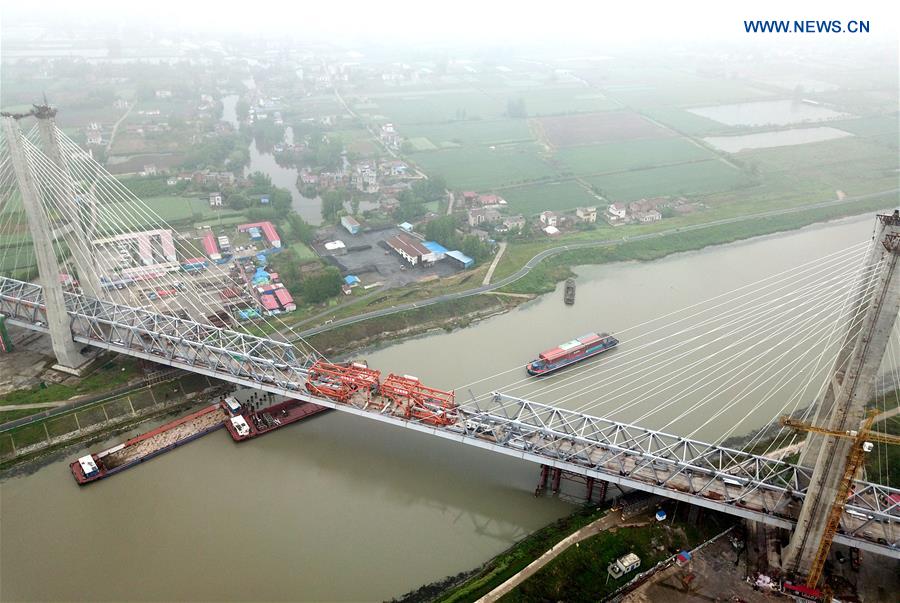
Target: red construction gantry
<point>340,381</point>
<point>417,401</point>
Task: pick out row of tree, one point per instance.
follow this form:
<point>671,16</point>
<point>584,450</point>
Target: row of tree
<point>445,231</point>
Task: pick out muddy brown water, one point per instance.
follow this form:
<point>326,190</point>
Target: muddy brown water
<point>340,508</point>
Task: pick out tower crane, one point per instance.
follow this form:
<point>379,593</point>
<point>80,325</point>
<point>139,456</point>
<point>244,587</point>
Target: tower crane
<point>862,443</point>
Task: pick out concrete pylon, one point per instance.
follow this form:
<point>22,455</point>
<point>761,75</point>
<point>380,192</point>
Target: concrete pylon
<point>82,228</point>
<point>64,347</point>
<point>854,388</point>
<point>858,308</point>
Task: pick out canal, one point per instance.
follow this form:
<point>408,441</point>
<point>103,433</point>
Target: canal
<point>341,508</point>
<point>283,177</point>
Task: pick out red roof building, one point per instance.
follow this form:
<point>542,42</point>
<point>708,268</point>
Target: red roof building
<point>267,229</point>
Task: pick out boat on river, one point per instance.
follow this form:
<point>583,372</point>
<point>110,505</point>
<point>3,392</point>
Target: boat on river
<point>571,352</point>
<point>570,291</point>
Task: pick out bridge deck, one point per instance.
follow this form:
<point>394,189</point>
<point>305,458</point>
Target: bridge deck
<point>758,488</point>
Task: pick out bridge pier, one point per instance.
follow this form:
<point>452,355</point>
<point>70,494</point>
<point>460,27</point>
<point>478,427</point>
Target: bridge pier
<point>851,387</point>
<point>66,350</point>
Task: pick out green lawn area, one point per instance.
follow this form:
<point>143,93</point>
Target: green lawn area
<point>303,251</point>
<point>688,179</point>
<point>629,155</point>
<point>683,89</point>
<point>471,132</point>
<point>483,168</point>
<point>176,209</point>
<point>557,196</point>
<point>421,143</point>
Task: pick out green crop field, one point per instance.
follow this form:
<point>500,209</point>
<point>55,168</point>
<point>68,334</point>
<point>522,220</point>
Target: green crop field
<point>684,121</point>
<point>484,168</point>
<point>177,209</point>
<point>853,165</point>
<point>556,196</point>
<point>557,101</point>
<point>880,128</point>
<point>471,132</point>
<point>688,179</point>
<point>414,108</point>
<point>629,155</point>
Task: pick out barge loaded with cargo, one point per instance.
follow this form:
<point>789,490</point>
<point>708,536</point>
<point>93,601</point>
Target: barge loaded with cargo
<point>246,422</point>
<point>129,453</point>
<point>571,352</point>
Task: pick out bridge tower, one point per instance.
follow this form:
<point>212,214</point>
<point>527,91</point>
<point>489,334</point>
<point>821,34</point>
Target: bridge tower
<point>851,386</point>
<point>84,217</point>
<point>66,350</point>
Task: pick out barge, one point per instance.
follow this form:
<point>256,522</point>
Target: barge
<point>569,296</point>
<point>244,423</point>
<point>571,352</point>
<point>144,447</point>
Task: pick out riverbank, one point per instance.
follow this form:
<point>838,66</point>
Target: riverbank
<point>575,551</point>
<point>544,271</point>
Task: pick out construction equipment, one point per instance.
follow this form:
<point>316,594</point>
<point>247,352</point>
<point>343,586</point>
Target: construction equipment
<point>862,443</point>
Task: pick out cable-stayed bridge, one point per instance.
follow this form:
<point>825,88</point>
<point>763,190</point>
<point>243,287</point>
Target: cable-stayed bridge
<point>815,333</point>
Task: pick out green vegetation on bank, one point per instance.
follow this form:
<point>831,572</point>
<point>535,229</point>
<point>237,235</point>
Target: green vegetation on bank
<point>115,372</point>
<point>508,563</point>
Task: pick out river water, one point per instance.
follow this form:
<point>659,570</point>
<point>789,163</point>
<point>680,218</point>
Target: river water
<point>340,507</point>
<point>283,177</point>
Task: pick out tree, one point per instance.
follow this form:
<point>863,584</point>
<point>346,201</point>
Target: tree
<point>332,204</point>
<point>322,285</point>
<point>237,201</point>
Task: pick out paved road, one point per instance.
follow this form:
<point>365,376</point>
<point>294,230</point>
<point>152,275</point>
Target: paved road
<point>31,406</point>
<point>609,520</point>
<point>490,272</point>
<point>547,253</point>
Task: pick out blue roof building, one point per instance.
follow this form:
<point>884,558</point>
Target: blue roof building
<point>462,258</point>
<point>406,226</point>
<point>351,280</point>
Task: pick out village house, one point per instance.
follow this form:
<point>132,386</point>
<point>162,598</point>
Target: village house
<point>586,214</point>
<point>308,178</point>
<point>469,197</point>
<point>215,199</point>
<point>94,137</point>
<point>394,168</point>
<point>149,170</point>
<point>646,217</point>
<point>549,218</point>
<point>365,178</point>
<point>390,136</point>
<point>491,200</point>
<point>163,94</point>
<point>483,215</point>
<point>389,204</point>
<point>617,211</point>
<point>171,181</point>
<point>514,222</point>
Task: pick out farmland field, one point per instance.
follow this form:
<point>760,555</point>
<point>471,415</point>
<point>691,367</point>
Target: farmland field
<point>880,128</point>
<point>612,126</point>
<point>557,196</point>
<point>687,179</point>
<point>557,101</point>
<point>472,132</point>
<point>850,164</point>
<point>683,121</point>
<point>629,155</point>
<point>418,108</point>
<point>482,168</point>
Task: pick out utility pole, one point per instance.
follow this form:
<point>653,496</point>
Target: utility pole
<point>852,387</point>
<point>82,226</point>
<point>65,348</point>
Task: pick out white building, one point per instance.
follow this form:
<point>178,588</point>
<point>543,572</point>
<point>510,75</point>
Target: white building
<point>646,217</point>
<point>618,211</point>
<point>586,214</point>
<point>215,199</point>
<point>549,218</point>
<point>623,565</point>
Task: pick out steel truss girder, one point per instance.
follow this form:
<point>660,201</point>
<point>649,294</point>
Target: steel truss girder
<point>720,478</point>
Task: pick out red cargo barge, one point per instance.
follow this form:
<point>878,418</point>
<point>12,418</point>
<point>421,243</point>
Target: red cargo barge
<point>144,447</point>
<point>245,424</point>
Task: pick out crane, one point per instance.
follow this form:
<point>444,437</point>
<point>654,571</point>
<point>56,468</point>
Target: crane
<point>862,443</point>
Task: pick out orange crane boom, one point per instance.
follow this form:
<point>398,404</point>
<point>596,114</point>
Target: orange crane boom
<point>854,461</point>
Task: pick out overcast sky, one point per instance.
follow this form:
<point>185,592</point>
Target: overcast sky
<point>493,21</point>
